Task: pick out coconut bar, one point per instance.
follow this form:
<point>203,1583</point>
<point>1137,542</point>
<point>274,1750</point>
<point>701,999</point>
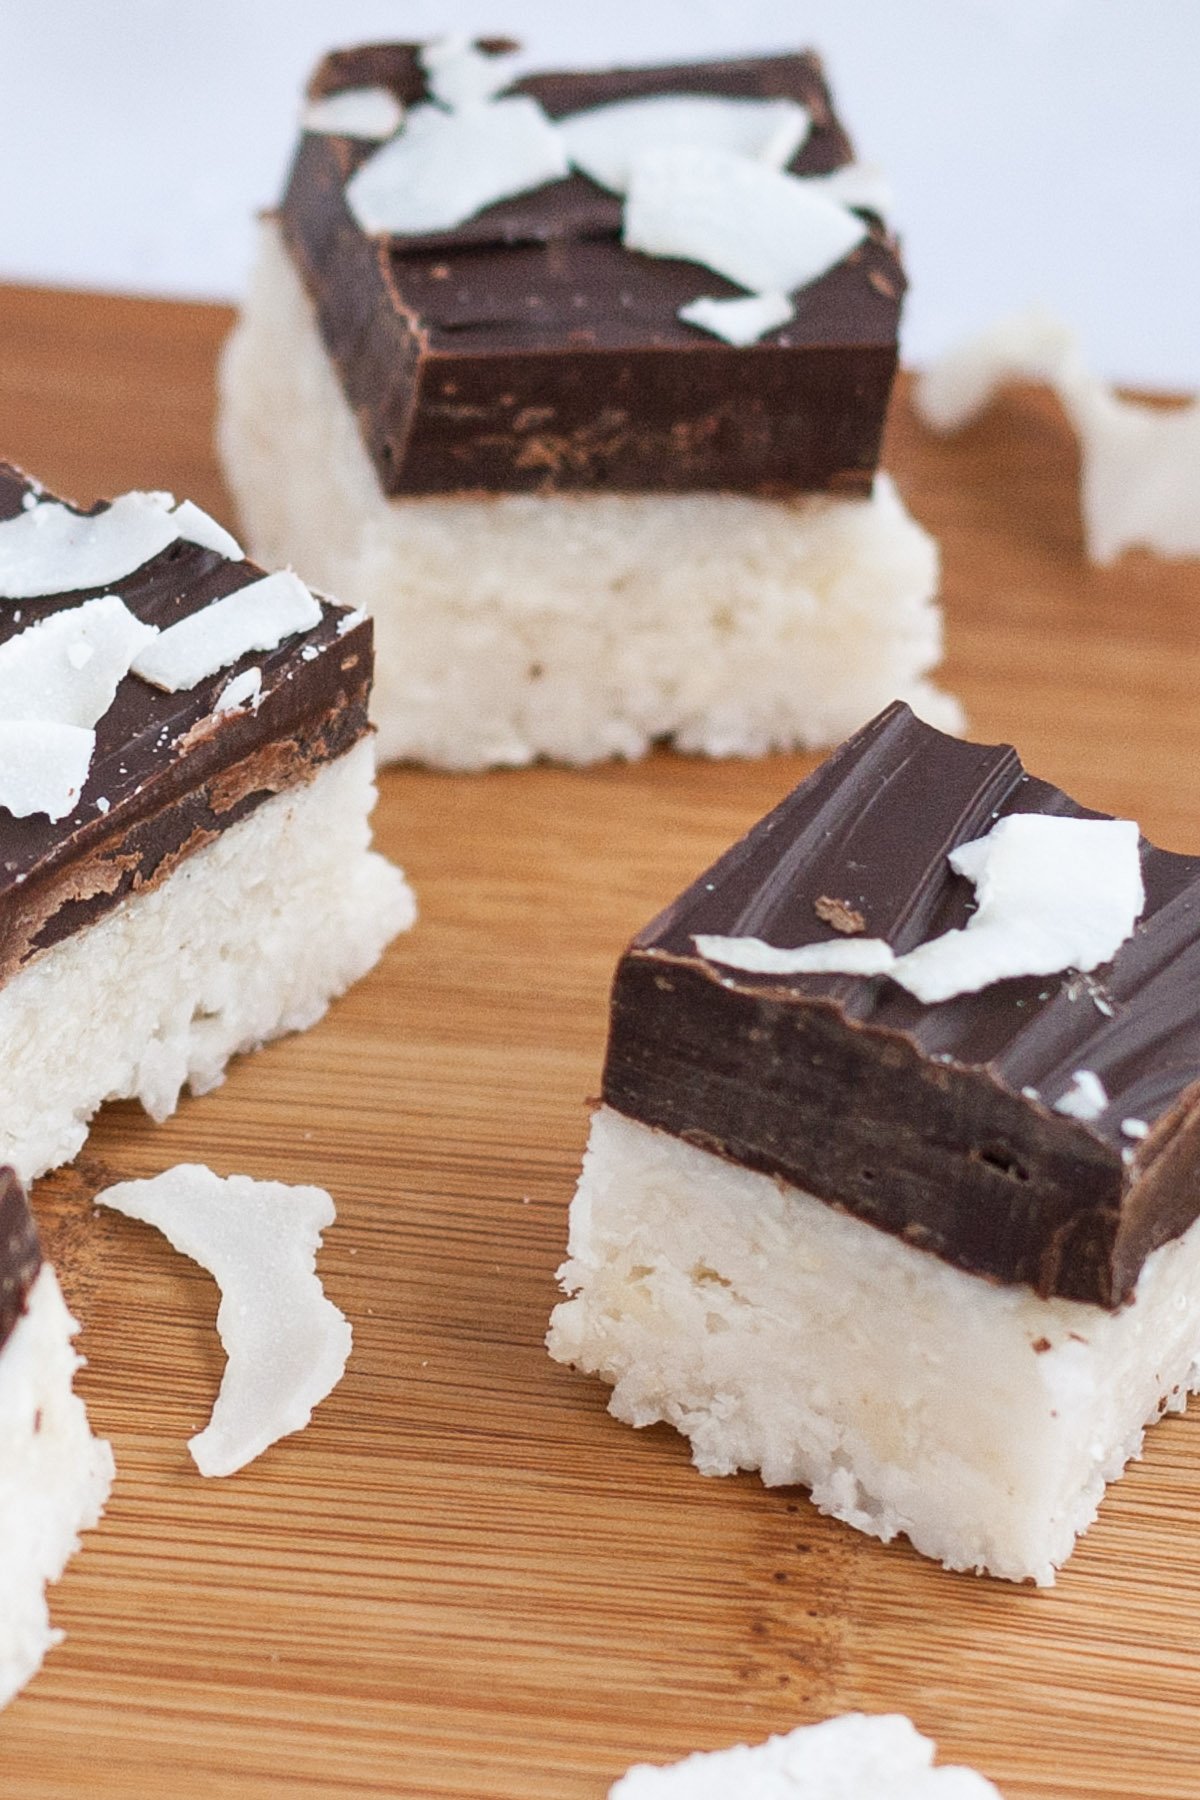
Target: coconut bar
<point>54,1475</point>
<point>185,782</point>
<point>922,1237</point>
<point>596,490</point>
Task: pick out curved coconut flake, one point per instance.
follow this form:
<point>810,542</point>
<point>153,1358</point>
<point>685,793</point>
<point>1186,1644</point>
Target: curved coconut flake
<point>444,167</point>
<point>66,668</point>
<point>458,74</point>
<point>739,322</point>
<point>258,617</point>
<point>1140,465</point>
<point>843,956</point>
<point>604,141</point>
<point>196,526</point>
<point>287,1344</point>
<point>1052,894</point>
<point>43,766</point>
<point>371,113</point>
<point>48,549</point>
<point>768,231</point>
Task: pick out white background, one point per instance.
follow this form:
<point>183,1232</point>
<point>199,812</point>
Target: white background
<point>1040,149</point>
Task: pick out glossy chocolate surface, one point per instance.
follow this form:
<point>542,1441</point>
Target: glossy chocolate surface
<point>20,1253</point>
<point>173,773</point>
<point>528,349</point>
<point>916,1118</point>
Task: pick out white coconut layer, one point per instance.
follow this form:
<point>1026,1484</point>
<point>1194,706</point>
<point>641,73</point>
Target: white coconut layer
<point>54,1477</point>
<point>249,937</point>
<point>574,626</point>
<point>782,1335</point>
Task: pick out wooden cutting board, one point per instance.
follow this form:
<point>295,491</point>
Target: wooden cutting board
<point>465,1579</point>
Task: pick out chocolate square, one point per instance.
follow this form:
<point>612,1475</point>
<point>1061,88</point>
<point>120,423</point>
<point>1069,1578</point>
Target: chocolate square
<point>529,350</point>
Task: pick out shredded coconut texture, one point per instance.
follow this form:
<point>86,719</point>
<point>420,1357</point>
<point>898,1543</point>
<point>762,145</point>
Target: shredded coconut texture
<point>1052,894</point>
<point>1140,465</point>
<point>287,1344</point>
<point>855,1757</point>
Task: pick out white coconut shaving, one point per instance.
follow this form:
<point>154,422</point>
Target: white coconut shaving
<point>741,321</point>
<point>48,549</point>
<point>855,1757</point>
<point>57,678</point>
<point>768,231</point>
<point>861,186</point>
<point>257,617</point>
<point>244,690</point>
<point>1052,894</point>
<point>371,113</point>
<point>1140,465</point>
<point>458,74</point>
<point>67,667</point>
<point>287,1344</point>
<point>43,766</point>
<point>196,526</point>
<point>1135,1128</point>
<point>446,166</point>
<point>1085,1098</point>
<point>605,141</point>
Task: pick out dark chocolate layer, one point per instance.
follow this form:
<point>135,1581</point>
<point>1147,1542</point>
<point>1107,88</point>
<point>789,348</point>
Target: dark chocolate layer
<point>528,349</point>
<point>174,775</point>
<point>916,1118</point>
<point>20,1252</point>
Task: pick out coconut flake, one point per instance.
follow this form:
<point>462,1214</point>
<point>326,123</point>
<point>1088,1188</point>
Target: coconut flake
<point>458,74</point>
<point>244,690</point>
<point>739,322</point>
<point>287,1344</point>
<point>257,617</point>
<point>1140,465</point>
<point>842,956</point>
<point>196,526</point>
<point>371,113</point>
<point>767,231</point>
<point>1135,1128</point>
<point>1085,1098</point>
<point>445,167</point>
<point>43,766</point>
<point>66,668</point>
<point>1052,894</point>
<point>350,621</point>
<point>605,141</point>
<point>861,186</point>
<point>48,549</point>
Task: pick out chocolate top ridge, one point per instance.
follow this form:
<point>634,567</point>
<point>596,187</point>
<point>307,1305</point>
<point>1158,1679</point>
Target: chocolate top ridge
<point>20,1252</point>
<point>935,1122</point>
<point>169,774</point>
<point>529,349</point>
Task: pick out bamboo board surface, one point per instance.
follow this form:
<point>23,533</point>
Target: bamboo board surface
<point>465,1579</point>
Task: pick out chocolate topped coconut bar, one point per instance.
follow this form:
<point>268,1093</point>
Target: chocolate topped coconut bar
<point>54,1475</point>
<point>584,378</point>
<point>902,1101</point>
<point>167,710</point>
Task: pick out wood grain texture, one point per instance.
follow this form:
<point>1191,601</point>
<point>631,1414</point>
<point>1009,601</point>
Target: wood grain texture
<point>465,1580</point>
